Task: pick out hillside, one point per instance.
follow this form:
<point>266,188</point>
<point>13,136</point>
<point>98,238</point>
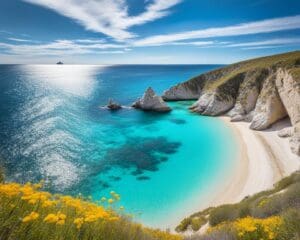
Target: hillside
<point>275,211</point>
<point>27,212</point>
<point>261,91</point>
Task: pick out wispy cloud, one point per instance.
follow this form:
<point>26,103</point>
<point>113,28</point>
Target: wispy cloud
<point>62,48</point>
<point>264,26</point>
<point>273,42</point>
<point>261,47</point>
<point>88,41</point>
<point>5,32</point>
<point>19,39</point>
<point>109,17</point>
<point>193,43</point>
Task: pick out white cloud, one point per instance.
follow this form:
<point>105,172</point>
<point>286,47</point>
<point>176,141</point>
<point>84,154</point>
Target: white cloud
<point>193,43</point>
<point>89,41</point>
<point>277,41</point>
<point>19,40</point>
<point>62,48</point>
<point>109,17</point>
<point>261,47</point>
<point>264,26</point>
<point>5,32</point>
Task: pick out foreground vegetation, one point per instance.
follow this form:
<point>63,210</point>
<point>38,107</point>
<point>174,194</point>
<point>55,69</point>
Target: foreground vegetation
<point>268,215</point>
<point>28,213</point>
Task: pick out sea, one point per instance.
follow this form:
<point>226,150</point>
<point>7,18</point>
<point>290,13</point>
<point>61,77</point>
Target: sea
<point>53,127</point>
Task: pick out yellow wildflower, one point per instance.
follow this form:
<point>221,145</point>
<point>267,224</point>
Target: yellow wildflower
<point>110,201</point>
<point>51,218</point>
<point>58,218</point>
<point>10,190</point>
<point>32,201</point>
<point>48,203</point>
<point>78,222</point>
<point>32,216</point>
<point>113,219</point>
<point>61,222</point>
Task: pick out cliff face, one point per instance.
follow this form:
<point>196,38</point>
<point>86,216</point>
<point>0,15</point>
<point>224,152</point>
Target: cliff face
<point>261,91</point>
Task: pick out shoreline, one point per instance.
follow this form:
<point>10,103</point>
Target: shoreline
<point>264,158</point>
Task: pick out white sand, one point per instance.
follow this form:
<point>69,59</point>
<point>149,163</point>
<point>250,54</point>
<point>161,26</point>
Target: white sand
<point>264,159</point>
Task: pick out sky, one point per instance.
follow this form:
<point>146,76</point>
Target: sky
<point>146,31</point>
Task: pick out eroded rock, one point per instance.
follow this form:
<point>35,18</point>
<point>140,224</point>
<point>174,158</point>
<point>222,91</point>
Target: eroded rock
<point>269,107</point>
<point>151,102</point>
<point>289,91</point>
<point>286,132</point>
<point>112,105</point>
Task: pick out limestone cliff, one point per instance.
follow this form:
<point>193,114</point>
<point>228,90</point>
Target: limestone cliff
<point>261,91</point>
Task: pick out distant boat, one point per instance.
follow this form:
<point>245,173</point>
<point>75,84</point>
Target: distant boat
<point>59,63</point>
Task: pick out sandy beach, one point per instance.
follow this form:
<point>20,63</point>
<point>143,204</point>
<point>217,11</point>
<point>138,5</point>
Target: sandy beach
<point>264,158</point>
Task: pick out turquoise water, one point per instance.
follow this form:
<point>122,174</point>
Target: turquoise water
<point>52,128</point>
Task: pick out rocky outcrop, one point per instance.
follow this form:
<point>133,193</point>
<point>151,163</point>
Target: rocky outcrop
<point>248,94</point>
<point>192,89</point>
<point>215,102</point>
<point>289,91</point>
<point>151,102</point>
<point>269,108</point>
<point>261,91</point>
<point>286,132</point>
<point>112,105</point>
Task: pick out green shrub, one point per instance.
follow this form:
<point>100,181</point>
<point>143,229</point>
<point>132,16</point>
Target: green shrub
<point>183,225</point>
<point>285,182</point>
<point>291,225</point>
<point>274,202</point>
<point>223,213</point>
<point>226,232</point>
<point>197,223</point>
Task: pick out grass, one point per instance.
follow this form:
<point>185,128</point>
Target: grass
<point>282,201</point>
<point>28,213</point>
<point>290,61</point>
<point>286,60</point>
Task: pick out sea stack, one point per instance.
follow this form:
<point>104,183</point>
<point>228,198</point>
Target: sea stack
<point>112,105</point>
<point>151,102</point>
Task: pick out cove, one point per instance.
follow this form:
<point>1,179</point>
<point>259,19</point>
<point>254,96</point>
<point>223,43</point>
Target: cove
<point>162,165</point>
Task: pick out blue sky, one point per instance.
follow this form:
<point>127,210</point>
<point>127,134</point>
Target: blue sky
<point>146,31</point>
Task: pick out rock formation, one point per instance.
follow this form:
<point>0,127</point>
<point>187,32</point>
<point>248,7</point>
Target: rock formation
<point>261,91</point>
<point>151,102</point>
<point>113,105</point>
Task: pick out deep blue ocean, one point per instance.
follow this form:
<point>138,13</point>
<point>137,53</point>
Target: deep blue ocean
<point>52,127</point>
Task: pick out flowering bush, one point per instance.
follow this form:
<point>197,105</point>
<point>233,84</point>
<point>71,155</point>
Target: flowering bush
<point>250,228</point>
<point>26,212</point>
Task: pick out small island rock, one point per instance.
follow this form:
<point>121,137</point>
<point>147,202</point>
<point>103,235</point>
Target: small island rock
<point>113,105</point>
<point>151,102</point>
